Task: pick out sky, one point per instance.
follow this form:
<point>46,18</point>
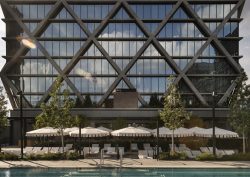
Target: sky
<point>244,44</point>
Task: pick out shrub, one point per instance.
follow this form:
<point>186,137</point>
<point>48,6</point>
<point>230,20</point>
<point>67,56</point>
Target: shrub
<point>5,156</point>
<point>176,156</point>
<point>206,156</point>
<point>72,156</point>
<point>239,157</point>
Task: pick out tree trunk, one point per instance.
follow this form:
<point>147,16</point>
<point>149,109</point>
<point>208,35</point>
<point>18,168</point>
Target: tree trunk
<point>173,149</point>
<point>244,142</point>
<point>62,138</point>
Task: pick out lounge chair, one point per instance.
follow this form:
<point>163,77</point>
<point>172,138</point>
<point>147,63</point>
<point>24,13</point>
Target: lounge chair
<point>86,150</point>
<point>142,154</point>
<point>68,147</point>
<point>205,150</point>
<point>55,150</point>
<point>133,147</point>
<point>95,145</point>
<point>218,152</point>
<point>106,146</point>
<point>196,153</point>
<point>121,150</point>
<point>145,145</point>
<point>95,150</point>
<point>150,154</point>
<point>170,146</point>
<point>28,150</point>
<point>111,151</point>
<point>229,152</point>
<point>189,154</point>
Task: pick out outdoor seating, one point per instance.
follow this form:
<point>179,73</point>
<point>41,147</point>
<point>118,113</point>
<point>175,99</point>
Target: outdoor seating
<point>150,154</point>
<point>145,145</point>
<point>106,146</point>
<point>28,150</point>
<point>86,150</point>
<point>229,152</point>
<point>111,151</point>
<point>54,150</point>
<point>217,151</point>
<point>142,154</point>
<point>121,150</point>
<point>95,145</point>
<point>205,150</point>
<point>95,150</point>
<point>196,153</point>
<point>133,147</point>
<point>189,154</point>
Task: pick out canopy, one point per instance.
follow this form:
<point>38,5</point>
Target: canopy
<point>144,128</point>
<point>66,131</point>
<point>89,132</point>
<point>219,133</point>
<point>180,132</point>
<point>105,129</point>
<point>131,131</point>
<point>46,131</point>
<point>197,130</point>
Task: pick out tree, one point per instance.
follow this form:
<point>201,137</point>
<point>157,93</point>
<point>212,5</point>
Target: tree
<point>119,123</point>
<point>173,114</point>
<point>3,110</point>
<point>240,108</point>
<point>154,101</point>
<point>87,102</point>
<point>56,113</point>
<point>78,103</point>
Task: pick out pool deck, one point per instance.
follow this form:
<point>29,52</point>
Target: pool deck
<point>127,163</point>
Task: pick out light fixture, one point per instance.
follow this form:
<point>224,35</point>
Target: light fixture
<point>27,42</point>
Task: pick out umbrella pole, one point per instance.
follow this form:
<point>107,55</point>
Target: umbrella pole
<point>48,143</point>
<point>89,145</point>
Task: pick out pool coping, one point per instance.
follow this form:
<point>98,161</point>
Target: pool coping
<point>128,164</point>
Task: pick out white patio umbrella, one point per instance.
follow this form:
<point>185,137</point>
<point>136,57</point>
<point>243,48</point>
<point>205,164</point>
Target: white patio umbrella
<point>197,131</point>
<point>89,132</point>
<point>131,131</point>
<point>105,129</point>
<point>66,131</point>
<point>144,128</point>
<point>46,131</point>
<point>219,133</point>
<point>179,132</point>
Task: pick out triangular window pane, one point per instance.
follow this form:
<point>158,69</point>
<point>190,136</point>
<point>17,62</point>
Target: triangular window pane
<point>152,26</point>
<point>64,14</point>
<point>122,85</point>
<point>62,48</point>
<point>122,63</point>
<point>180,14</point>
<point>179,30</point>
<point>64,30</point>
<point>93,11</point>
<point>152,11</point>
<point>31,26</point>
<point>209,66</point>
<point>32,11</point>
<point>151,66</point>
<point>122,48</point>
<point>182,63</point>
<point>62,63</point>
<point>121,15</point>
<point>93,51</point>
<point>151,51</point>
<point>92,26</point>
<point>150,84</point>
<point>122,30</point>
<point>210,51</point>
<point>93,84</point>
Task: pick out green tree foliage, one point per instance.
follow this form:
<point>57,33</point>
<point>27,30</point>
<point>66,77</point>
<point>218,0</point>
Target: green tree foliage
<point>154,101</point>
<point>173,114</point>
<point>119,123</point>
<point>56,113</point>
<point>240,108</point>
<point>78,103</point>
<point>3,110</point>
<point>87,102</point>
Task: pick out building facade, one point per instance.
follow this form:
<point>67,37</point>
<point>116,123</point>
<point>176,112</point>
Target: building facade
<point>119,55</point>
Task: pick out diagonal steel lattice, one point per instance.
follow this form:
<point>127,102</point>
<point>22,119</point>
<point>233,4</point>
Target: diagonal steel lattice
<point>92,40</point>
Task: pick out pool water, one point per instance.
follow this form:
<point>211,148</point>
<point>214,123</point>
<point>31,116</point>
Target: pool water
<point>125,172</point>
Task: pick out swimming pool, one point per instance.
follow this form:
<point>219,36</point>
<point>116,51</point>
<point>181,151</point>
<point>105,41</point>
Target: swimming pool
<point>125,172</point>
